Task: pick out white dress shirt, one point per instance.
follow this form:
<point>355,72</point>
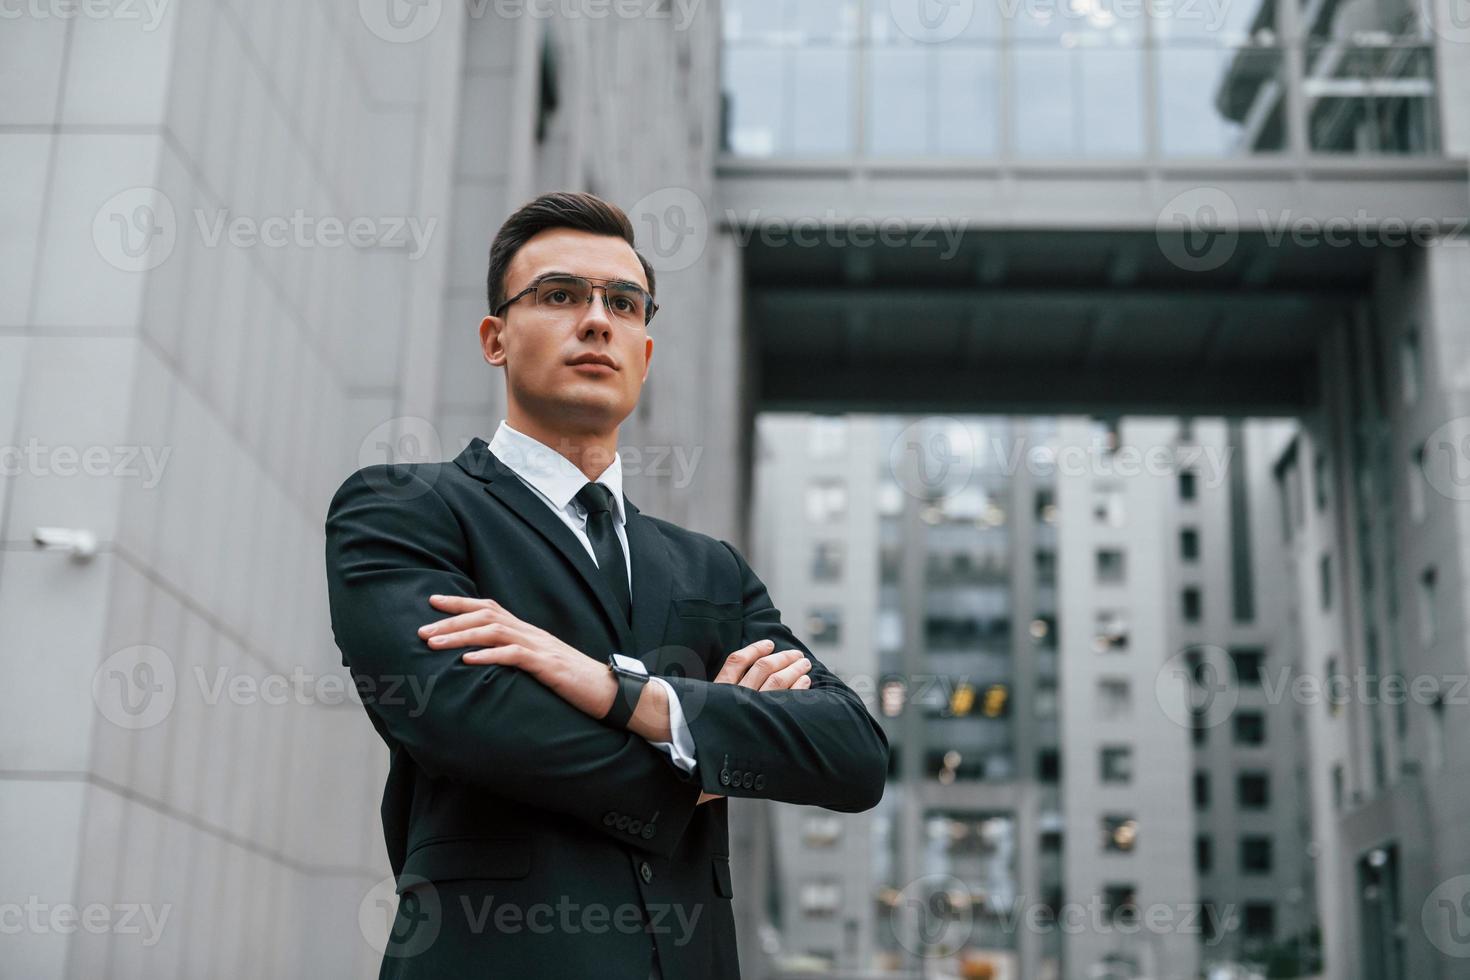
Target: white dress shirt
<point>553,478</point>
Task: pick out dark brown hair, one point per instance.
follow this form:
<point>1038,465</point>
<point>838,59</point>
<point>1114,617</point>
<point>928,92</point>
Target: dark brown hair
<point>562,209</point>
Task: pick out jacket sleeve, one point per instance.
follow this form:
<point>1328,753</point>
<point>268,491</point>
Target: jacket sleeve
<point>818,747</point>
<point>389,546</point>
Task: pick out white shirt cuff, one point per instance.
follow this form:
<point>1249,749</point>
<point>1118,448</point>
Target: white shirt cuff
<point>681,748</point>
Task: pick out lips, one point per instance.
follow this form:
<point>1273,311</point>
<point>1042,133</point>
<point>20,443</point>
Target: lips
<point>600,360</point>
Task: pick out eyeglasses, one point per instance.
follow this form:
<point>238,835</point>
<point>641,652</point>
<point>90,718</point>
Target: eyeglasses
<point>626,302</point>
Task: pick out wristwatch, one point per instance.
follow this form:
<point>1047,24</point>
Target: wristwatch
<point>631,675</point>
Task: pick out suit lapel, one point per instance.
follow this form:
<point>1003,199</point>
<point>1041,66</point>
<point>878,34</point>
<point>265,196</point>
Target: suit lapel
<point>652,585</point>
<point>651,578</point>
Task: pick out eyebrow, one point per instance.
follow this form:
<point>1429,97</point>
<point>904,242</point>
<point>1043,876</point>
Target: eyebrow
<point>558,272</point>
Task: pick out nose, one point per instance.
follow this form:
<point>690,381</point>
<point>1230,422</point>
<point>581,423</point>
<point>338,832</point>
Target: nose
<point>595,318</point>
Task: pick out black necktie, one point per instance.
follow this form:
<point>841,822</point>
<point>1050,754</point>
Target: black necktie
<point>610,561</point>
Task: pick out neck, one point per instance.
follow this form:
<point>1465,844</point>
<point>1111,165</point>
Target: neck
<point>589,450</point>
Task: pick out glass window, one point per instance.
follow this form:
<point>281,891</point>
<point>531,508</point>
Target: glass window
<point>1201,790</point>
<point>1255,855</point>
<point>1204,854</point>
<point>1249,663</point>
<point>1110,635</point>
<point>1115,764</point>
<point>1188,485</point>
<point>824,626</point>
<point>1191,604</point>
<point>1114,698</point>
<point>1111,566</point>
<point>1253,790</point>
<point>1189,544</point>
<point>827,561</point>
<point>826,501</point>
<point>1428,586</point>
<point>1119,833</point>
<point>1250,727</point>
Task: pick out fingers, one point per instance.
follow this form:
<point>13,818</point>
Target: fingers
<point>477,621</point>
<point>786,677</point>
<point>762,669</point>
<point>511,655</point>
<point>461,603</point>
<point>802,683</point>
<point>737,663</point>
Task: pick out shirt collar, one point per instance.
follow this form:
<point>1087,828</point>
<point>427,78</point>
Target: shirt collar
<point>551,473</point>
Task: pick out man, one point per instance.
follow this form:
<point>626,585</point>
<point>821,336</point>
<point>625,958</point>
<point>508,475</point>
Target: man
<point>569,688</point>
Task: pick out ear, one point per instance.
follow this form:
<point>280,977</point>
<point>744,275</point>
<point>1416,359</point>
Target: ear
<point>491,342</point>
<point>647,358</point>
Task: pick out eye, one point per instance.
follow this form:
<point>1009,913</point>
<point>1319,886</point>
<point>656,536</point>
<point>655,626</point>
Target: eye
<point>558,297</point>
<point>624,305</point>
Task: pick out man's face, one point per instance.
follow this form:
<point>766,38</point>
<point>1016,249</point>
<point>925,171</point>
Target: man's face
<point>537,344</point>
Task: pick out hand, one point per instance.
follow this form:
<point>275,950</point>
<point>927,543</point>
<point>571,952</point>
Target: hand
<point>757,667</point>
<point>510,641</point>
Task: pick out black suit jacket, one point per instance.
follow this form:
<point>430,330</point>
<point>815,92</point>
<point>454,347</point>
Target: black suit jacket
<point>527,838</point>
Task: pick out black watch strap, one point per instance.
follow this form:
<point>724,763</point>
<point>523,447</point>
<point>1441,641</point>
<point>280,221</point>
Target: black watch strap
<point>630,689</point>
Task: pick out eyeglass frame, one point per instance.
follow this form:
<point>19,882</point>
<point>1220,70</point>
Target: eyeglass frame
<point>595,282</point>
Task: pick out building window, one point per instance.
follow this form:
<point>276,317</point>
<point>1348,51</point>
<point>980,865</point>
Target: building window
<point>1260,922</point>
<point>1114,699</point>
<point>1249,665</point>
<point>1324,580</point>
<point>1199,727</point>
<point>1201,789</point>
<point>1428,585</point>
<point>826,436</point>
<point>820,898</point>
<point>821,830</point>
<point>1188,485</point>
<point>1048,765</point>
<point>1119,833</point>
<point>827,561</point>
<point>1255,855</point>
<point>1319,479</point>
<point>1250,727</point>
<point>1120,902</point>
<point>1410,366</point>
<point>1107,505</point>
<point>1051,842</point>
<point>826,501</point>
<point>1204,854</point>
<point>1111,566</point>
<point>1191,604</point>
<point>1253,790</point>
<point>1189,544</point>
<point>1110,633</point>
<point>824,626</point>
<point>1416,479</point>
<point>1339,788</point>
<point>1115,764</point>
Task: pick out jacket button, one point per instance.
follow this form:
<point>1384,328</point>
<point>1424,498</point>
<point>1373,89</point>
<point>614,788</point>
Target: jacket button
<point>609,818</point>
<point>724,777</point>
<point>634,826</point>
<point>646,872</point>
<point>735,777</point>
<point>760,781</point>
<point>623,821</point>
<point>648,831</point>
<point>748,780</point>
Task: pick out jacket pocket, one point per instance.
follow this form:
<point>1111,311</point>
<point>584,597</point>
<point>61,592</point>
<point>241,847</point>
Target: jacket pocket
<point>694,607</point>
<point>723,886</point>
<point>449,858</point>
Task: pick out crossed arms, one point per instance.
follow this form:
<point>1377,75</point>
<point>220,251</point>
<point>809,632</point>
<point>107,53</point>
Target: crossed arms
<point>517,712</point>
